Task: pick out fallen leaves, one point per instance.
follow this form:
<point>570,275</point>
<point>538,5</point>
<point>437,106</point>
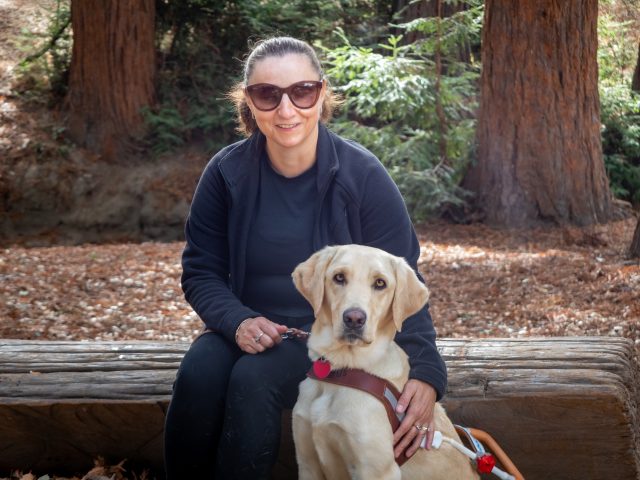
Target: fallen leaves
<point>101,471</point>
<point>542,282</point>
<point>483,282</point>
<point>107,292</point>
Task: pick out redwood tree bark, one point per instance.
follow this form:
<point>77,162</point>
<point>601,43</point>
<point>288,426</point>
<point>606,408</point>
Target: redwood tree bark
<point>112,72</point>
<point>539,148</point>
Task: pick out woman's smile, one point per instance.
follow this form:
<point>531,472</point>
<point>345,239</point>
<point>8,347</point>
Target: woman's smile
<point>287,126</point>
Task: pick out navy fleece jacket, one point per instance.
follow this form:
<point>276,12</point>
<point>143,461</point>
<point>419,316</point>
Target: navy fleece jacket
<point>358,202</point>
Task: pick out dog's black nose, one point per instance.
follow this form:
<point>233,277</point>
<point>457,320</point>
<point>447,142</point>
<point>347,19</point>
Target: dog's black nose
<point>354,318</point>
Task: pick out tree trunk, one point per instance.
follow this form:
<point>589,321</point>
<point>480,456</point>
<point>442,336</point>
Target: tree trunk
<point>634,250</point>
<point>112,72</point>
<point>539,148</point>
<point>635,81</point>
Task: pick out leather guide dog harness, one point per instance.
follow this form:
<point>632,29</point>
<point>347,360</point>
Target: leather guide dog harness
<point>366,382</point>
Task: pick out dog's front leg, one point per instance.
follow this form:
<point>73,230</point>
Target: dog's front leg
<point>370,440</point>
<point>309,467</point>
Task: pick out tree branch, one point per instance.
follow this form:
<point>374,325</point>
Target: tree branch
<point>50,44</point>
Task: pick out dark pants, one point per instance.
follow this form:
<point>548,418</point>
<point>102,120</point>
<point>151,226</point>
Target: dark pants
<point>225,414</point>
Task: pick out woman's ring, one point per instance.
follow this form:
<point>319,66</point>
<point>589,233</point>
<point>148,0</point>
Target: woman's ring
<point>258,337</point>
<point>422,428</point>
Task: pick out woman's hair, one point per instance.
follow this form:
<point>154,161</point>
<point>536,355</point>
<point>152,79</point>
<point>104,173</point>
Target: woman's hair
<point>276,47</point>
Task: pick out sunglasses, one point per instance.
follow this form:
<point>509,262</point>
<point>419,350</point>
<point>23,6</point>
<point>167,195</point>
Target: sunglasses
<point>267,97</point>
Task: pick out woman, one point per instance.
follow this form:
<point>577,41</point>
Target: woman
<point>262,206</point>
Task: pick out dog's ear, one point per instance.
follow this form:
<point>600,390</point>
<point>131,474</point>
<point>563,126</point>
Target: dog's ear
<point>410,294</point>
<point>308,277</point>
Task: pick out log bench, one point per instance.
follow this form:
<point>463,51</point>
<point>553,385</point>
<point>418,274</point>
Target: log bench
<point>562,408</point>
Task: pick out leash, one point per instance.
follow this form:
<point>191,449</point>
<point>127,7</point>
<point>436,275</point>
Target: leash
<point>295,333</point>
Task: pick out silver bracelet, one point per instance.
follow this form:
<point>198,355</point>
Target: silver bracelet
<point>238,329</point>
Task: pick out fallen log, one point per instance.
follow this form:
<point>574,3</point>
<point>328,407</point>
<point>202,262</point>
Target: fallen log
<point>561,407</point>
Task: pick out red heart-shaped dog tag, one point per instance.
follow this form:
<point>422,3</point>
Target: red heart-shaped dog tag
<point>321,368</point>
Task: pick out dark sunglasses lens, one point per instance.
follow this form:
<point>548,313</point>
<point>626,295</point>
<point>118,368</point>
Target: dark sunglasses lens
<point>265,97</point>
<point>305,95</point>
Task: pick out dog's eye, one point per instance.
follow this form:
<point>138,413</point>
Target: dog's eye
<point>380,284</point>
<point>339,278</point>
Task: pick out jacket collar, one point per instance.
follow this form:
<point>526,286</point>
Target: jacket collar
<point>243,160</point>
<point>326,157</point>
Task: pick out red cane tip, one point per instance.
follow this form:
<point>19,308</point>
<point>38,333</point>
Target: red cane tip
<point>486,463</point>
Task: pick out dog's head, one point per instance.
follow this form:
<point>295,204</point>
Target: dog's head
<point>357,292</point>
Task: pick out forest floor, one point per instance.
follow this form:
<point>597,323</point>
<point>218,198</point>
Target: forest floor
<point>484,282</point>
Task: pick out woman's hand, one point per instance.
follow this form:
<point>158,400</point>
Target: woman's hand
<point>418,400</point>
<point>255,335</point>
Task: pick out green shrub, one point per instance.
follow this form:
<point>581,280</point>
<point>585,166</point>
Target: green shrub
<point>616,53</point>
<point>620,114</point>
<point>44,71</point>
<point>423,135</point>
<point>619,105</point>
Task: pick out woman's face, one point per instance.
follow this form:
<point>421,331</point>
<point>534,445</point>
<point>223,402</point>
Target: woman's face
<point>287,126</point>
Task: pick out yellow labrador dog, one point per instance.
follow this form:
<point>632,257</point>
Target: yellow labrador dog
<point>361,296</point>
